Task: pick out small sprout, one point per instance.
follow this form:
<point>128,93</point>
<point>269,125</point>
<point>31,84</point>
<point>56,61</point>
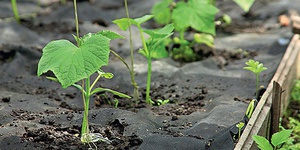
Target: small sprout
<point>255,67</point>
<point>162,102</point>
<point>240,125</point>
<point>116,103</point>
<point>250,108</point>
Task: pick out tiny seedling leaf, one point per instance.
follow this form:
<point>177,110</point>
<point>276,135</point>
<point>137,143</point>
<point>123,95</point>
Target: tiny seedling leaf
<point>254,66</point>
<point>245,4</point>
<point>70,63</point>
<point>280,137</point>
<point>198,14</point>
<point>262,142</point>
<point>162,11</point>
<point>203,38</point>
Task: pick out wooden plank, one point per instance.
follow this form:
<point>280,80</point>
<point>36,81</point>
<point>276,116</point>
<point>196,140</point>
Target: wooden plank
<point>261,113</point>
<point>276,107</point>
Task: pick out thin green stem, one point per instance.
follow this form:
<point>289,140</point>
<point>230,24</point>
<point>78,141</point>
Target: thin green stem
<point>76,22</point>
<point>95,81</point>
<point>132,74</point>
<point>15,10</point>
<point>257,84</point>
<point>148,98</point>
<point>148,54</point>
<point>85,124</point>
<point>181,35</point>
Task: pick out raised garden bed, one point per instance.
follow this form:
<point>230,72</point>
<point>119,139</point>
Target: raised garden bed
<point>275,100</point>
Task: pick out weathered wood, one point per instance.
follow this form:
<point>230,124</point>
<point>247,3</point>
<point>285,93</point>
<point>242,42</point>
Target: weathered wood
<point>259,123</point>
<point>276,107</point>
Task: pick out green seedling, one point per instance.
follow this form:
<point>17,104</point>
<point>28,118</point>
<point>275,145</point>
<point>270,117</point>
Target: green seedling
<point>250,108</point>
<point>245,4</point>
<point>162,102</point>
<point>15,10</point>
<point>195,14</point>
<point>240,125</point>
<point>71,63</point>
<point>255,67</point>
<point>152,48</point>
<point>277,140</point>
<point>116,103</point>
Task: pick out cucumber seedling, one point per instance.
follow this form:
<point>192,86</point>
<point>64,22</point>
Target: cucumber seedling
<point>153,47</point>
<point>71,63</point>
<point>255,67</point>
<point>196,14</point>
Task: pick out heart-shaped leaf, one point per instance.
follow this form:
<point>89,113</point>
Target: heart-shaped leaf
<point>198,14</point>
<point>70,63</point>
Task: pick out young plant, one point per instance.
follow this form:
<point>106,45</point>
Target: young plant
<point>71,63</point>
<point>255,67</point>
<point>195,14</point>
<point>15,10</point>
<point>240,125</point>
<point>162,102</point>
<point>152,48</point>
<point>277,140</point>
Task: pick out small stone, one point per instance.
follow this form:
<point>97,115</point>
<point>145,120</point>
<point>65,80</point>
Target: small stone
<point>174,118</point>
<point>6,99</point>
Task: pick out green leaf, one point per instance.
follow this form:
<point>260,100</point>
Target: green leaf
<point>245,4</point>
<point>123,22</point>
<point>143,19</point>
<point>159,52</point>
<point>262,142</point>
<point>240,125</point>
<point>280,137</point>
<point>160,33</point>
<point>70,63</point>
<point>254,66</point>
<point>156,45</point>
<point>162,11</point>
<point>96,90</point>
<point>203,38</point>
<point>111,35</point>
<point>198,14</point>
<point>106,75</point>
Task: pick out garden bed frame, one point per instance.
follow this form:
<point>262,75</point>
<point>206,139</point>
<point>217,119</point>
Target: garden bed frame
<point>265,118</point>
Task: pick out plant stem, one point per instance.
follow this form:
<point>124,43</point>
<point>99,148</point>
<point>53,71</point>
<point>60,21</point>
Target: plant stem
<point>148,54</point>
<point>15,10</point>
<point>257,84</point>
<point>135,85</point>
<point>181,35</point>
<point>86,101</point>
<point>76,23</point>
